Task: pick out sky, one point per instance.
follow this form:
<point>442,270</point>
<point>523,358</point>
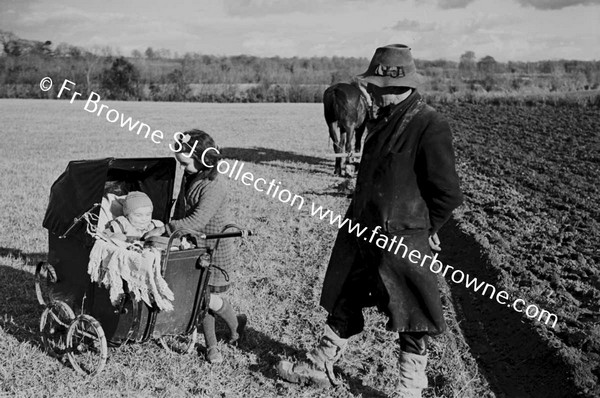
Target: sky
<point>517,30</point>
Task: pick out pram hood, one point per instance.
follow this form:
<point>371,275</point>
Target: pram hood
<point>83,184</point>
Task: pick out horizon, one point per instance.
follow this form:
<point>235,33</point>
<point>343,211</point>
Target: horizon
<point>117,52</point>
<point>516,30</point>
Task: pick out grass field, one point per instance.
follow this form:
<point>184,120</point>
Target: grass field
<point>277,283</point>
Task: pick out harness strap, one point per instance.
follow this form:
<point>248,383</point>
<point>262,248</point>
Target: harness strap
<point>155,225</point>
<point>116,220</point>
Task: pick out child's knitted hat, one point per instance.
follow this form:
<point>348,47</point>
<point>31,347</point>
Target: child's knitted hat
<point>135,200</point>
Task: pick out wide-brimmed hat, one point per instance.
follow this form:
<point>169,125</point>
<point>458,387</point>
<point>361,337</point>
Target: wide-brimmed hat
<point>392,66</point>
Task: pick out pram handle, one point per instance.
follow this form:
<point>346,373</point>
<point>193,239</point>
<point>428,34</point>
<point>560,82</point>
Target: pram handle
<point>242,233</point>
<point>184,231</point>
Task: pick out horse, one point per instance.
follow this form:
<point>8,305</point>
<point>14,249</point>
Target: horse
<point>346,111</point>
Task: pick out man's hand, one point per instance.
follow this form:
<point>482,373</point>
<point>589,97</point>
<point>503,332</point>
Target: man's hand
<point>434,242</point>
<point>155,232</point>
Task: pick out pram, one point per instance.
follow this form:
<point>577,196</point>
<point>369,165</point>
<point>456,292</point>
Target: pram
<point>80,200</point>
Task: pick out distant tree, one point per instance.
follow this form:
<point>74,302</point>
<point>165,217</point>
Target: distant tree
<point>107,51</point>
<point>558,68</point>
<point>487,65</point>
<point>516,67</point>
<point>44,48</point>
<point>63,50</point>
<point>341,76</point>
<point>179,89</point>
<point>16,47</point>
<point>544,67</point>
<point>91,60</point>
<point>150,53</point>
<point>67,50</point>
<point>76,52</point>
<point>136,54</point>
<point>121,80</point>
<point>592,74</point>
<point>5,38</point>
<point>162,53</point>
<point>487,68</point>
<point>467,64</point>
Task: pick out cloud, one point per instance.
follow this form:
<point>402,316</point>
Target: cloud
<point>251,8</point>
<point>448,4</point>
<point>556,4</point>
<point>262,8</point>
<point>413,26</point>
<point>61,16</point>
<point>12,11</point>
<point>261,43</point>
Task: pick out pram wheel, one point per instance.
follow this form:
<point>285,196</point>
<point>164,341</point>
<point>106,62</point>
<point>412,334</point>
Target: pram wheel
<point>45,275</point>
<point>86,345</point>
<point>54,324</point>
<point>178,343</point>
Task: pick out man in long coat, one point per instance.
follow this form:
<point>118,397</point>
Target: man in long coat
<point>406,189</point>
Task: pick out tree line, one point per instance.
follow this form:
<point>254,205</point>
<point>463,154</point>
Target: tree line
<point>159,75</point>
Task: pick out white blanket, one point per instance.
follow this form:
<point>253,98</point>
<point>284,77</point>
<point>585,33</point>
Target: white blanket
<point>110,265</point>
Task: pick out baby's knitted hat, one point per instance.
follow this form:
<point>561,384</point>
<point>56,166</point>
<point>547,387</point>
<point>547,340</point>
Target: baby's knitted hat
<point>135,200</point>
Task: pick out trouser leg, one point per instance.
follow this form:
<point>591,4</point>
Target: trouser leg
<point>346,317</point>
<point>414,343</point>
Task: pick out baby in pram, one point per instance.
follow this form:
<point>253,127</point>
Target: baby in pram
<point>120,254</point>
<point>135,221</point>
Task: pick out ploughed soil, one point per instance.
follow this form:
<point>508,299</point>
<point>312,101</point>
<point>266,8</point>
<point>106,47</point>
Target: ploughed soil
<point>530,176</point>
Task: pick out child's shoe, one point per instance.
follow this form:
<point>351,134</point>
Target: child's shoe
<point>213,355</point>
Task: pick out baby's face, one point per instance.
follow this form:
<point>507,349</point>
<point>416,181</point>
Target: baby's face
<point>140,217</point>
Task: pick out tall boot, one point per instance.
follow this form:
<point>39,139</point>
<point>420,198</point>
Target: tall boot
<point>413,378</point>
<point>318,369</point>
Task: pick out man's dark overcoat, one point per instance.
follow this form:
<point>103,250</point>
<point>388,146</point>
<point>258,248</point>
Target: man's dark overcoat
<point>407,184</point>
